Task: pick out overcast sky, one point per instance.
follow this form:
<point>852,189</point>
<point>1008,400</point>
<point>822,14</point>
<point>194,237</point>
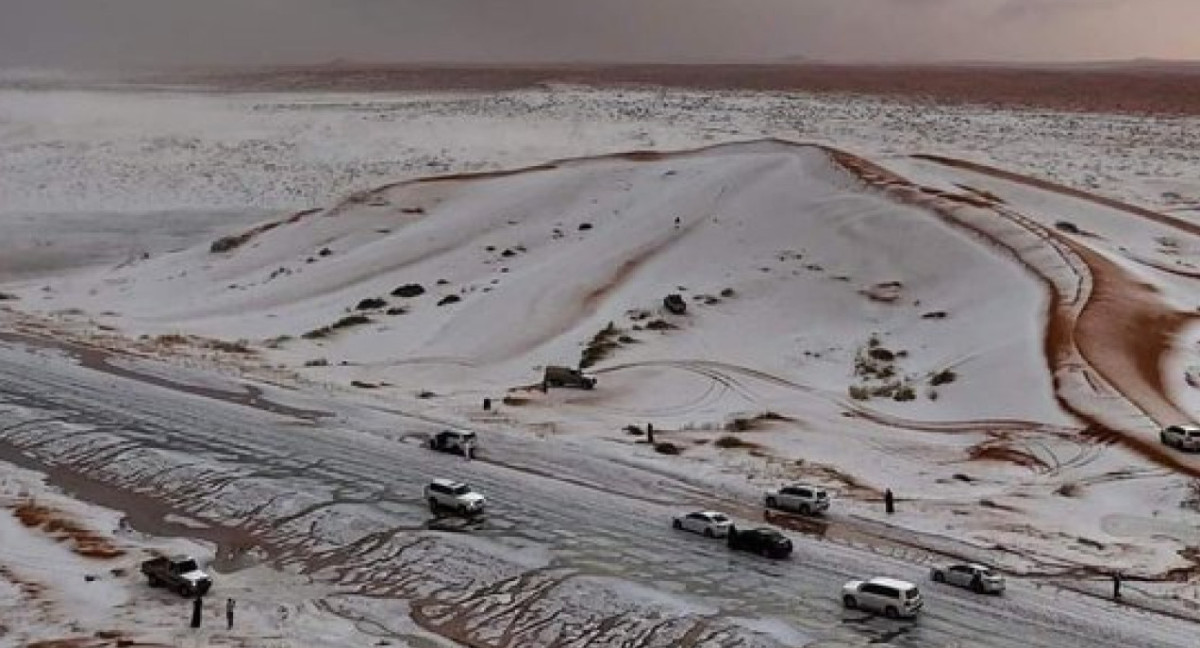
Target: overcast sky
<point>103,33</point>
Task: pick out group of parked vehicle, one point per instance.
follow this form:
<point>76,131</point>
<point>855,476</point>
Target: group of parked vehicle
<point>891,597</point>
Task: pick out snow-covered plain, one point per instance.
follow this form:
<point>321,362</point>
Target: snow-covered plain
<point>802,274</point>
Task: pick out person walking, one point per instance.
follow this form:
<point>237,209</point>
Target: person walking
<point>1116,579</point>
<point>889,501</point>
<point>229,605</point>
<point>650,433</point>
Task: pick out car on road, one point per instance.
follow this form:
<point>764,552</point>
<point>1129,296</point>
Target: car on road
<point>456,441</point>
<point>975,577</point>
<point>764,541</point>
<point>889,596</point>
<point>1184,437</point>
<point>180,574</point>
<point>801,498</point>
<point>710,524</point>
<point>450,495</point>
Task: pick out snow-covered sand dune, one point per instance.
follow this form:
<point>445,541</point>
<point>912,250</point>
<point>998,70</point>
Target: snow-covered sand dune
<point>877,327</point>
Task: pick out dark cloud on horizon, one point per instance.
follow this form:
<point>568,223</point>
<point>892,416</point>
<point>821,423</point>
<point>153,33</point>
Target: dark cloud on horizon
<point>98,33</point>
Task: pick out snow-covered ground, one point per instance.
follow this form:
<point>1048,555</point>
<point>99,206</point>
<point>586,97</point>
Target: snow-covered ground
<point>1032,327</point>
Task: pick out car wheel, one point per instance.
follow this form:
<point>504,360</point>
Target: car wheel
<point>677,524</point>
<point>939,577</point>
<point>804,509</point>
<point>850,602</point>
<point>463,510</point>
<point>771,502</point>
<point>433,505</point>
<point>977,587</point>
<point>1162,436</point>
<point>154,582</point>
<point>891,612</point>
<point>187,591</point>
<point>708,532</point>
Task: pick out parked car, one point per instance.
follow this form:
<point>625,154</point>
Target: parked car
<point>894,598</point>
<point>801,498</point>
<point>764,541</point>
<point>710,524</point>
<point>567,377</point>
<point>456,441</point>
<point>178,573</point>
<point>447,494</point>
<point>1184,437</point>
<point>978,578</point>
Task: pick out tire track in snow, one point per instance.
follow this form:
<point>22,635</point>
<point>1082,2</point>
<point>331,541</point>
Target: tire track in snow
<point>1080,348</point>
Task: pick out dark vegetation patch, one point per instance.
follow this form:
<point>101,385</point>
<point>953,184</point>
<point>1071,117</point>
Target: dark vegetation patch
<point>409,290</point>
<point>602,344</point>
<point>370,303</point>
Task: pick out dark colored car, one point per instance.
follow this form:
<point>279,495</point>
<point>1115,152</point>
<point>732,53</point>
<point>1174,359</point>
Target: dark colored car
<point>763,541</point>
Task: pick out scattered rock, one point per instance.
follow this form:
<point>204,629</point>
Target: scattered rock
<point>934,315</point>
<point>881,353</point>
<point>412,210</point>
<point>449,299</point>
<point>316,362</point>
<point>583,227</point>
<point>396,310</point>
<point>659,325</point>
<point>426,394</point>
<point>324,252</point>
<point>409,290</point>
<point>728,292</point>
<point>363,385</point>
<point>1067,227</point>
<point>508,253</point>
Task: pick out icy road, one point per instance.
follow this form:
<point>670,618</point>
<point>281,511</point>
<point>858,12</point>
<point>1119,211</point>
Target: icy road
<point>574,550</point>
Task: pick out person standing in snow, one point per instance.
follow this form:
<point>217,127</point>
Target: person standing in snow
<point>650,433</point>
<point>229,605</point>
<point>889,501</point>
<point>1116,579</point>
<point>197,611</point>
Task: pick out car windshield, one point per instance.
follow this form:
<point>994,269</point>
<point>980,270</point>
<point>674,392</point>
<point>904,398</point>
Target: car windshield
<point>1193,433</point>
<point>461,489</point>
<point>912,593</point>
<point>718,517</point>
<point>185,566</point>
<point>822,495</point>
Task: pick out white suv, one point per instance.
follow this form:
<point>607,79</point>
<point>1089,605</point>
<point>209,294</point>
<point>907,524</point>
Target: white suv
<point>801,498</point>
<point>894,598</point>
<point>1184,437</point>
<point>455,496</point>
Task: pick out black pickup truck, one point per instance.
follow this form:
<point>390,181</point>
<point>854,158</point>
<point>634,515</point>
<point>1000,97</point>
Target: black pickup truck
<point>178,573</point>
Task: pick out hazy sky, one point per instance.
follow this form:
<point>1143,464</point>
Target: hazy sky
<point>174,32</point>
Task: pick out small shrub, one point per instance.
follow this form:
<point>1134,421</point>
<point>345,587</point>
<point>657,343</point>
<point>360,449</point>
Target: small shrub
<point>583,227</point>
<point>362,384</point>
<point>316,362</point>
<point>449,299</point>
<point>397,310</point>
<point>934,315</point>
<point>728,292</point>
<point>634,430</point>
<point>659,325</point>
<point>739,424</point>
<point>877,352</point>
<point>352,320</point>
<point>729,441</point>
<point>860,392</point>
<point>1069,489</point>
<point>240,346</point>
<point>425,393</point>
<point>1067,227</point>
<point>409,290</point>
<point>370,303</point>
<point>904,393</point>
<point>667,448</point>
<point>6,296</point>
<point>943,377</point>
